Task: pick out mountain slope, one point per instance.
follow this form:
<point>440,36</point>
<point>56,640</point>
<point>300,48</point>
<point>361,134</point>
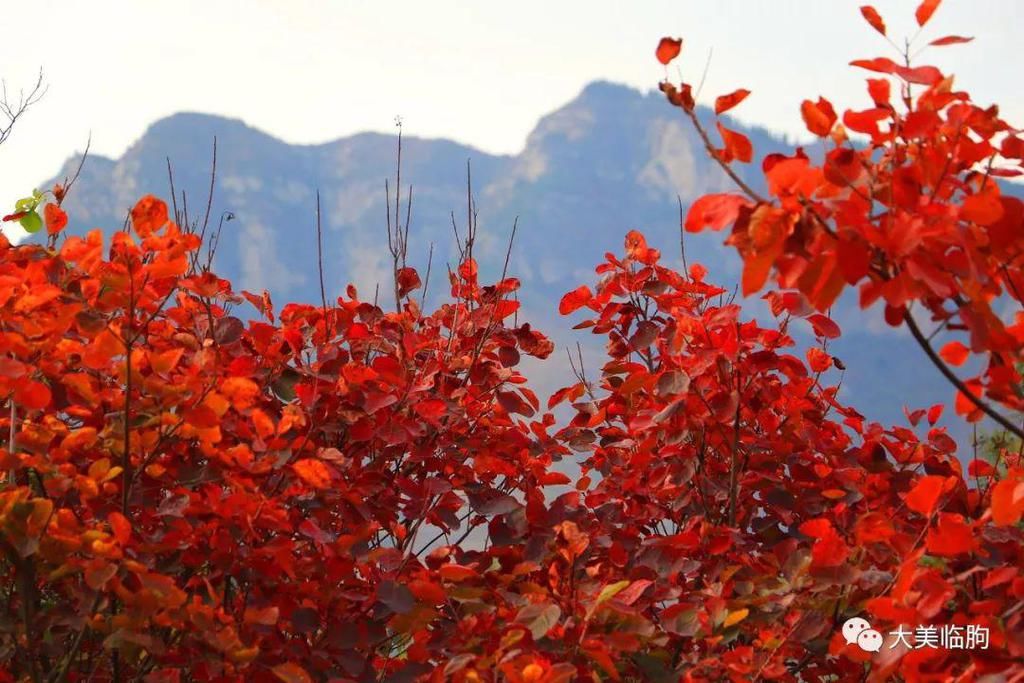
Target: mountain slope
<point>611,160</point>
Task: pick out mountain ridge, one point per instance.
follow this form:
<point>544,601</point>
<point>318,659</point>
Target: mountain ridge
<point>610,160</point>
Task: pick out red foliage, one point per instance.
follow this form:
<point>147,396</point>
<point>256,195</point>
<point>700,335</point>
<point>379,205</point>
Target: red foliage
<point>340,493</point>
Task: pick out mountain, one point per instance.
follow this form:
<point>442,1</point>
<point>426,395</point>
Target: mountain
<point>611,160</point>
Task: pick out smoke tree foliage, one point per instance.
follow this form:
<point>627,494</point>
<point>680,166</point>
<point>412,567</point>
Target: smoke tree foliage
<point>190,497</point>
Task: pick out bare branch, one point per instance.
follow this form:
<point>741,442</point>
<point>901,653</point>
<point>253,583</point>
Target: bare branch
<point>12,110</point>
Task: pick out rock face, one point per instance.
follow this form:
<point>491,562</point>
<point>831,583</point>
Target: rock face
<point>611,160</point>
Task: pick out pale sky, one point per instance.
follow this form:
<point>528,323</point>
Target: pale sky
<point>478,72</point>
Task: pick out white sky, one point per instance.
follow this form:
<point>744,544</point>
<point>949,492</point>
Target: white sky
<point>479,72</point>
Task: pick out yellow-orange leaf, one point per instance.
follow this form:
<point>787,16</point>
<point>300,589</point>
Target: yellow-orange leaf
<point>290,672</point>
<point>735,617</point>
<point>313,472</point>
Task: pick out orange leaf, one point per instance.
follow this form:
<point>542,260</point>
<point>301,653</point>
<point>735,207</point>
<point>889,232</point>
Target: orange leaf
<point>737,145</point>
<point>668,49</point>
<point>290,672</point>
<point>925,11</point>
<point>149,215</point>
<point>726,102</point>
<point>313,472</point>
<point>456,572</point>
<point>162,268</point>
<point>574,300</point>
<point>819,116</point>
<point>955,353</point>
<point>56,219</point>
<point>263,423</point>
<point>715,210</point>
<point>266,616</point>
<point>925,495</point>
<point>636,245</point>
<point>735,617</point>
<point>818,359</point>
<point>874,18</point>
<point>241,391</point>
<point>121,526</point>
<point>1008,502</point>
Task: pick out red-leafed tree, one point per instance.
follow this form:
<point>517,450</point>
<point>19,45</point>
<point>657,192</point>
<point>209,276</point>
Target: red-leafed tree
<point>338,492</point>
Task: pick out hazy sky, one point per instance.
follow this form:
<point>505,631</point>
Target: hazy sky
<point>479,72</point>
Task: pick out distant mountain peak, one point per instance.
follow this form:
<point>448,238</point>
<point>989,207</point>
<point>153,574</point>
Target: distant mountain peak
<point>611,159</point>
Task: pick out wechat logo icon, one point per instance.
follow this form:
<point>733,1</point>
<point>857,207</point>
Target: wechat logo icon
<point>859,631</point>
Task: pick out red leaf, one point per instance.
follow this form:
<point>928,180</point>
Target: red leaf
<point>408,280</point>
<point>56,219</point>
<point>824,326</point>
<point>456,572</point>
<point>874,18</point>
<point>819,116</point>
<point>816,528</point>
<point>955,353</point>
<point>934,413</point>
<point>983,208</point>
<point>149,215</point>
<point>633,592</point>
<point>12,369</point>
<point>925,11</point>
<point>636,245</point>
<point>879,89</point>
<point>1008,502</point>
<point>554,479</point>
<point>726,102</point>
<point>818,359</point>
<point>951,536</point>
<point>32,394</point>
<point>575,299</point>
<point>668,49</point>
<point>737,145</point>
<point>925,495</point>
<point>951,40</point>
<point>715,210</point>
<point>431,409</point>
<point>925,75</point>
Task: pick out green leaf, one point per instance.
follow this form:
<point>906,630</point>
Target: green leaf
<point>31,222</point>
<point>932,562</point>
<point>610,591</point>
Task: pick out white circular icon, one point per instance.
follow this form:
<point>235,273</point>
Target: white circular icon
<point>853,628</point>
<point>869,640</point>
